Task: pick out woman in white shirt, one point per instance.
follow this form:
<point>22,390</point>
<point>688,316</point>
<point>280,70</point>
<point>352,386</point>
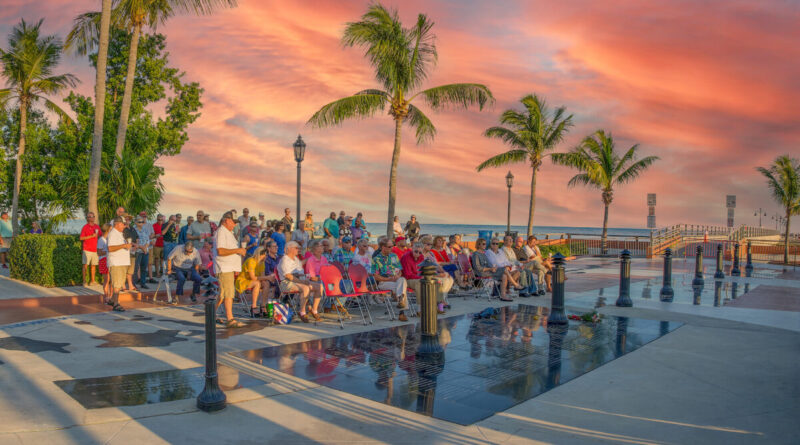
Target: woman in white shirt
<point>397,228</point>
<point>363,254</point>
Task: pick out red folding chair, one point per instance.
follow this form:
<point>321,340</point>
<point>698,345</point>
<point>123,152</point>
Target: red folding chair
<point>332,279</point>
<point>360,279</point>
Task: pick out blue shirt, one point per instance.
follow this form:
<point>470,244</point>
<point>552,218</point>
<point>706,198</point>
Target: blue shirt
<point>270,264</point>
<point>251,239</point>
<point>332,227</point>
<point>182,234</point>
<point>281,241</point>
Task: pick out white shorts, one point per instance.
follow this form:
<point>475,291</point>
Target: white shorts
<point>90,258</point>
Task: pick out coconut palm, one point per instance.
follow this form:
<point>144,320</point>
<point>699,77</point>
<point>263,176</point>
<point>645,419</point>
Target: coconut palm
<point>100,103</point>
<point>134,15</point>
<point>402,59</point>
<point>28,66</point>
<point>530,134</point>
<point>602,168</point>
<point>783,180</point>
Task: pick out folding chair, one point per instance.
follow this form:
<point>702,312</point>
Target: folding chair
<point>294,302</point>
<point>361,283</point>
<point>165,281</point>
<point>332,279</point>
<point>463,263</point>
<point>488,283</point>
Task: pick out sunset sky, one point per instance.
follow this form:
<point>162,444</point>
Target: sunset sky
<point>711,87</point>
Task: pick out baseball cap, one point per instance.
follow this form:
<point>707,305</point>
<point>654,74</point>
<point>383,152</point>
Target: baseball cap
<point>399,238</point>
<point>347,239</point>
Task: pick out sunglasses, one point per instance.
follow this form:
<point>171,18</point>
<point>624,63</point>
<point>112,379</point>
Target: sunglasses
<point>495,244</point>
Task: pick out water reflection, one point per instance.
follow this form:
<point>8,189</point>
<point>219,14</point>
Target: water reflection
<point>717,292</point>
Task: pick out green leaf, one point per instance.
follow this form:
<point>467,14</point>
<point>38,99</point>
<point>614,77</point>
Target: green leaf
<point>358,106</point>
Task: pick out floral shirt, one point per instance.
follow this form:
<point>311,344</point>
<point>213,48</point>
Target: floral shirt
<point>345,257</point>
<point>386,266</point>
<point>329,256</point>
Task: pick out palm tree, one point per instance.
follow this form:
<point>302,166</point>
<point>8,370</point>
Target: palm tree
<point>783,180</point>
<point>602,168</point>
<point>28,65</point>
<point>402,58</point>
<point>530,134</point>
<point>134,15</point>
<point>100,104</point>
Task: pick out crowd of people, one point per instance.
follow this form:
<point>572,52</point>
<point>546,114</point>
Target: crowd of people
<point>251,254</point>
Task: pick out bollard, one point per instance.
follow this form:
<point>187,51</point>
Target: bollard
<point>667,293</point>
<point>698,268</point>
<point>734,290</point>
<point>427,299</point>
<point>557,315</point>
<point>717,293</point>
<point>697,291</point>
<point>719,273</point>
<point>748,269</point>
<point>212,398</point>
<point>557,335</point>
<point>735,272</point>
<point>622,336</point>
<point>624,299</point>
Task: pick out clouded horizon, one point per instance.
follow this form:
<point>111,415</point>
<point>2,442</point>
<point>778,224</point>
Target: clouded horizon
<point>710,87</point>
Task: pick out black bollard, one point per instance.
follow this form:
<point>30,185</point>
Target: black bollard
<point>698,268</point>
<point>427,299</point>
<point>719,273</point>
<point>667,293</point>
<point>624,299</point>
<point>734,290</point>
<point>735,272</point>
<point>717,293</point>
<point>697,291</point>
<point>748,268</point>
<point>557,315</point>
<point>212,398</point>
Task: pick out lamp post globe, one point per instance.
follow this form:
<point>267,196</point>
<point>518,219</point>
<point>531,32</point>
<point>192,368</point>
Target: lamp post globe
<point>299,154</point>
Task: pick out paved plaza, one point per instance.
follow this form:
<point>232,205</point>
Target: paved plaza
<point>718,364</point>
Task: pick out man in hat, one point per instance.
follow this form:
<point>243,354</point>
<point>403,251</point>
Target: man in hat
<point>412,228</point>
<point>400,247</point>
<point>118,260</point>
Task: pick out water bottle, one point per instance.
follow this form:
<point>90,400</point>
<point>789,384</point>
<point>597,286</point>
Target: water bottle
<point>270,310</point>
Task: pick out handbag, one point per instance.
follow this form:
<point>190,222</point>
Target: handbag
<point>282,313</point>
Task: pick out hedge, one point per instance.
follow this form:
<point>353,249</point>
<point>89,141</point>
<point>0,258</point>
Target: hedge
<point>563,249</point>
<point>46,260</point>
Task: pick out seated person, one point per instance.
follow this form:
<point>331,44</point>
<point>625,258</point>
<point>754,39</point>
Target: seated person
<point>499,260</point>
<point>538,262</point>
<point>344,254</point>
<point>447,262</point>
<point>484,269</point>
<point>293,279</point>
<point>328,246</point>
<point>411,262</point>
<point>387,271</point>
<point>185,261</point>
<point>443,278</point>
<point>249,278</point>
<point>528,264</point>
<point>400,247</point>
<point>525,275</point>
<point>363,254</point>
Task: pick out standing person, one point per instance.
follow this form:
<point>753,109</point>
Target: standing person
<point>169,233</point>
<point>412,227</point>
<point>6,232</point>
<point>387,271</point>
<point>89,235</point>
<point>244,220</point>
<point>157,253</point>
<point>148,228</point>
<point>178,218</point>
<point>309,224</point>
<point>331,227</point>
<point>293,279</point>
<point>262,221</point>
<point>130,237</point>
<point>36,228</point>
<point>360,227</point>
<point>340,221</point>
<point>200,229</point>
<point>288,222</point>
<point>346,229</point>
<point>301,237</point>
<point>214,227</point>
<point>207,257</point>
<point>227,262</point>
<point>185,260</point>
<point>397,228</point>
<point>250,237</point>
<point>142,253</point>
<point>182,233</point>
<point>279,237</point>
<point>118,261</point>
<point>102,265</point>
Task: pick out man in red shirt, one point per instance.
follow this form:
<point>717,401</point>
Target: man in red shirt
<point>157,254</point>
<point>89,235</point>
<point>400,248</point>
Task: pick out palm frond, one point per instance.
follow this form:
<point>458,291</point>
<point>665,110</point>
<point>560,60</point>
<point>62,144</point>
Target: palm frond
<point>582,179</point>
<point>509,137</point>
<point>85,33</point>
<point>783,180</point>
<point>200,7</point>
<point>423,126</point>
<point>510,157</point>
<point>515,119</point>
<point>635,169</point>
<point>424,54</point>
<point>358,106</point>
<point>457,95</point>
<point>58,110</point>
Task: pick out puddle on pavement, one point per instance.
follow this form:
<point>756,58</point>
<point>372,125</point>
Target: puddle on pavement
<point>31,345</point>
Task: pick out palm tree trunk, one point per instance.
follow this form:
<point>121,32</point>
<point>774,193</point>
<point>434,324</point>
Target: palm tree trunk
<point>398,123</point>
<point>100,105</point>
<point>533,202</point>
<point>786,240</point>
<point>126,96</point>
<point>605,230</point>
<point>23,127</point>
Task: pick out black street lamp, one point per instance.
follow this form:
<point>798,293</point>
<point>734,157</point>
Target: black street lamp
<point>509,183</point>
<point>299,154</point>
<point>759,214</point>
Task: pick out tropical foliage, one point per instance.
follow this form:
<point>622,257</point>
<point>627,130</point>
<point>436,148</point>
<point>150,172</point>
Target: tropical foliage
<point>28,66</point>
<point>601,167</point>
<point>402,58</point>
<point>531,134</point>
<point>783,180</point>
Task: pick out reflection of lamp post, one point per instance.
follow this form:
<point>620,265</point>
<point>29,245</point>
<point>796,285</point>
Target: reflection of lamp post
<point>509,183</point>
<point>299,154</point>
<point>759,214</point>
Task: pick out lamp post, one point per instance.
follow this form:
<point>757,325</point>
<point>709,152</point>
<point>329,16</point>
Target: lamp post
<point>299,154</point>
<point>759,214</point>
<point>509,183</point>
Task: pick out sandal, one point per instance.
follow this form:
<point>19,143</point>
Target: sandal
<point>108,302</point>
<point>254,312</point>
<point>233,323</point>
<point>118,308</point>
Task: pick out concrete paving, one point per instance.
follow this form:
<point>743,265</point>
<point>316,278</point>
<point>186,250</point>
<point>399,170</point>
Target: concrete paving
<point>728,375</point>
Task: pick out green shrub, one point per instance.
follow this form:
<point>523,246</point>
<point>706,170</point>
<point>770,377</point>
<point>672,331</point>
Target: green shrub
<point>563,249</point>
<point>46,260</point>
